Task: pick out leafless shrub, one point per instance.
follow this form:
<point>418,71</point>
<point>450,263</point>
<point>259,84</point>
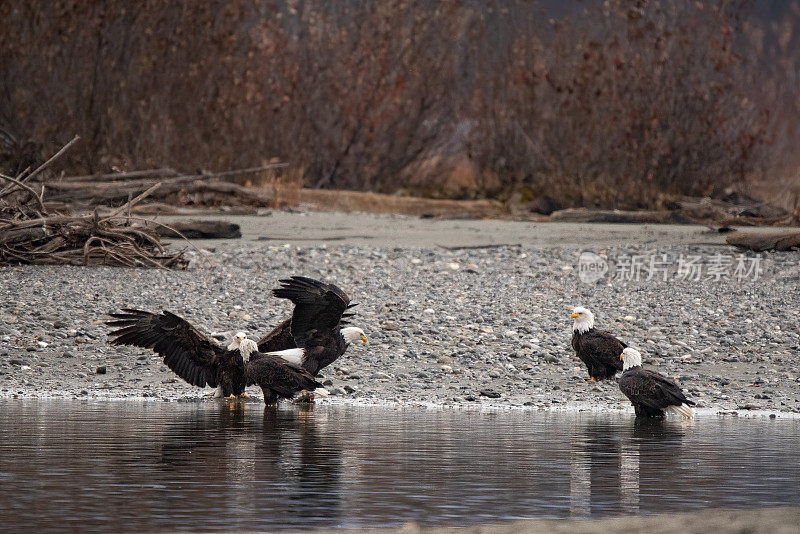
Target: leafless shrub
<point>639,101</point>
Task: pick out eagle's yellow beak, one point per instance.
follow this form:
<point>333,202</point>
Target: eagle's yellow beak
<point>363,338</point>
<point>574,314</point>
<point>621,356</point>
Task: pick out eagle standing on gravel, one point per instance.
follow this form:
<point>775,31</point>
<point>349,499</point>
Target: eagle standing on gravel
<point>314,337</point>
<point>598,349</point>
<point>651,393</point>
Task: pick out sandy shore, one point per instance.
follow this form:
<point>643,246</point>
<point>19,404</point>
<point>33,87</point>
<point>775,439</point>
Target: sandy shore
<point>313,228</point>
<point>448,326</point>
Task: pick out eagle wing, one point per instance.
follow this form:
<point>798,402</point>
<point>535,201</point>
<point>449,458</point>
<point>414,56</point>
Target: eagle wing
<point>318,307</point>
<point>281,336</point>
<point>603,348</point>
<point>279,339</point>
<point>186,351</point>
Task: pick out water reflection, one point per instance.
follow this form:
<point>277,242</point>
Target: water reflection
<point>611,460</point>
<point>172,466</point>
<point>298,463</point>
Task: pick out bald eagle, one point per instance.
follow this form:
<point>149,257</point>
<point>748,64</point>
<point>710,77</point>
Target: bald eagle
<point>186,351</point>
<point>314,337</point>
<point>598,349</point>
<point>277,378</point>
<point>651,393</point>
<point>200,362</point>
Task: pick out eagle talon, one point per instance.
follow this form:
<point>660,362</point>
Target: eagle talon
<point>244,396</point>
<point>591,379</point>
<point>231,396</point>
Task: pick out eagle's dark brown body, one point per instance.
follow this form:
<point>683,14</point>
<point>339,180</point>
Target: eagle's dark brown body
<point>600,351</point>
<point>650,392</point>
<point>277,378</point>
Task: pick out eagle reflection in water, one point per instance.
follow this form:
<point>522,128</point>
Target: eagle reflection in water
<point>614,467</point>
<point>253,464</point>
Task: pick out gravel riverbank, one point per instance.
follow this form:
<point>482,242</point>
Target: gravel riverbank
<point>450,327</point>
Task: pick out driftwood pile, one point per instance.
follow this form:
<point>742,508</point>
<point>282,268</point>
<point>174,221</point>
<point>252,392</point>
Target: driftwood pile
<point>31,234</point>
<point>83,240</point>
<point>197,190</point>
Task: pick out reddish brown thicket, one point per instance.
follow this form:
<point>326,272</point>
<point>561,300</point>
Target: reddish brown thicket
<point>366,90</point>
<point>638,101</point>
<point>621,105</point>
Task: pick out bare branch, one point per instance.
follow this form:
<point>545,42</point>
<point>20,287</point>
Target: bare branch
<point>54,157</point>
<point>132,202</point>
<point>29,189</point>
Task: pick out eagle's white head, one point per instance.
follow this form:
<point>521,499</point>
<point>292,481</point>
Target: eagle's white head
<point>237,340</point>
<point>352,334</point>
<point>582,320</point>
<point>630,358</point>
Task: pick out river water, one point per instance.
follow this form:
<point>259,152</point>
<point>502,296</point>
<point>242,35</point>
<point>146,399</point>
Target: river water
<point>142,466</point>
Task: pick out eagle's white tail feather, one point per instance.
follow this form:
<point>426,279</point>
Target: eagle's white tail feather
<point>218,392</point>
<point>684,410</point>
<point>294,356</point>
<point>322,392</point>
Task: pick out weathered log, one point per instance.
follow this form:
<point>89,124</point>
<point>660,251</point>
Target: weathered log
<point>733,209</point>
<point>164,172</point>
<point>21,235</point>
<point>198,229</point>
<point>584,215</point>
<point>196,192</point>
<point>160,208</point>
<point>378,203</point>
<point>761,240</point>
